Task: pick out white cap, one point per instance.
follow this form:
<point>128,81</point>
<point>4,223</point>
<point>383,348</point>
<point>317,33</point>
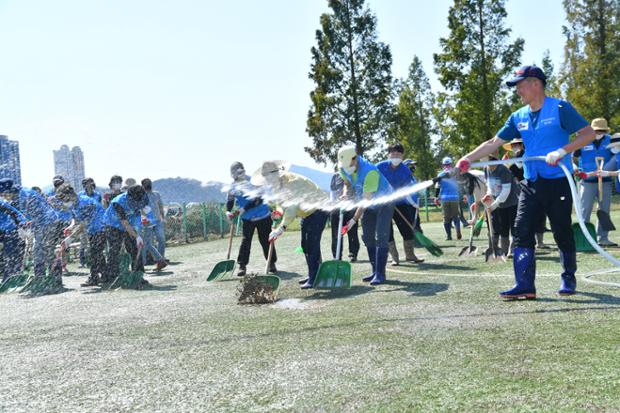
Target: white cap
<point>345,154</point>
<point>446,161</point>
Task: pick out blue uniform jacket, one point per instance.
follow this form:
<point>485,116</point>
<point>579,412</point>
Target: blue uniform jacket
<point>89,212</point>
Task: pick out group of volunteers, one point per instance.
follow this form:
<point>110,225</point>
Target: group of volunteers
<point>127,215</point>
<point>518,197</point>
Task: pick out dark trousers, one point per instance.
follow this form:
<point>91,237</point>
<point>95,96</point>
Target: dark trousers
<point>551,197</point>
<point>312,228</point>
<point>376,224</point>
<point>263,227</point>
<point>96,247</point>
<point>403,227</point>
<point>504,220</point>
<point>116,238</point>
<point>354,241</point>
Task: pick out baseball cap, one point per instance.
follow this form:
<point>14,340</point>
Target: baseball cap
<point>525,72</point>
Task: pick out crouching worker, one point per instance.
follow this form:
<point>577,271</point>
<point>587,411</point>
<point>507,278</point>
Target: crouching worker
<point>368,184</point>
<point>90,216</point>
<point>255,215</point>
<point>123,223</point>
<point>11,220</point>
<point>299,197</point>
<point>44,223</point>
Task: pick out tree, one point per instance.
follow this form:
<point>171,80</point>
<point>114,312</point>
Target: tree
<point>590,75</point>
<point>415,119</point>
<point>553,87</point>
<point>475,60</point>
<point>351,69</point>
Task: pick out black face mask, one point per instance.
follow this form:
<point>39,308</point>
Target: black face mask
<point>519,153</point>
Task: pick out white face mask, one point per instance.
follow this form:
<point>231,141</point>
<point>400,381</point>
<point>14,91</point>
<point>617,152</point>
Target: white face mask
<point>272,179</point>
<point>67,205</point>
<point>396,161</point>
<point>349,169</point>
<point>615,150</point>
<point>116,187</point>
<point>599,136</point>
<point>146,210</point>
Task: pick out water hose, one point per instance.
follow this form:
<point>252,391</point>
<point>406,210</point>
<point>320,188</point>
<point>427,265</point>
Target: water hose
<point>580,220</point>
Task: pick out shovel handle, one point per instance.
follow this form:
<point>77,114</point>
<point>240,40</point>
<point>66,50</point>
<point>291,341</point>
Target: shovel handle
<point>269,255</point>
<point>599,166</point>
<point>340,234</point>
<point>230,239</point>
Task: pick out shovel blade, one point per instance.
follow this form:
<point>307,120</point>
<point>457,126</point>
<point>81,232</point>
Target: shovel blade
<point>333,274</point>
<point>469,251</point>
<point>222,269</point>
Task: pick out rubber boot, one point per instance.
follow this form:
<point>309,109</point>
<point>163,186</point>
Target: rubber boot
<point>380,264</point>
<point>372,255</point>
<point>314,261</point>
<point>524,263</point>
<point>410,252</point>
<point>394,252</point>
<point>448,228</point>
<point>568,259</point>
<point>457,226</point>
<point>504,243</point>
<point>540,244</point>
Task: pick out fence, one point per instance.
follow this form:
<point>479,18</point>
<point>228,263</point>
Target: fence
<point>193,222</point>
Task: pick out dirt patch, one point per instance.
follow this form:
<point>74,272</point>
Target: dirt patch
<point>253,291</point>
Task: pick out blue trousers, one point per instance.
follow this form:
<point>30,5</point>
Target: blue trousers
<point>376,226</point>
<point>312,228</point>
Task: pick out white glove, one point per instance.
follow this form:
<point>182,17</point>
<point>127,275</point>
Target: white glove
<point>603,174</point>
<point>139,242</point>
<point>554,157</point>
<point>230,215</point>
<point>275,234</point>
<point>23,233</point>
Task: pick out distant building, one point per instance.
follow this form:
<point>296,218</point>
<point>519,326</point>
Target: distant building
<point>70,164</point>
<point>10,166</point>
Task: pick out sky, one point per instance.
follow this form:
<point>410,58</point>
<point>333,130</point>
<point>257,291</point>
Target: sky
<point>151,88</point>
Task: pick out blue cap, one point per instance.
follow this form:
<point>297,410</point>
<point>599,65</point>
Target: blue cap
<point>6,184</point>
<point>525,72</point>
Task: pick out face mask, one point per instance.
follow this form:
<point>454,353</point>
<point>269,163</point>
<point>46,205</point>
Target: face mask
<point>349,169</point>
<point>67,205</point>
<point>239,175</point>
<point>146,210</point>
<point>396,161</point>
<point>519,153</point>
<point>599,136</point>
<point>272,179</point>
<point>116,187</point>
<point>615,150</point>
<point>447,168</point>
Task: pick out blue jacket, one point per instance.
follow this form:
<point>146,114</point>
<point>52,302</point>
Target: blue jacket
<point>36,208</point>
<point>90,212</point>
<point>357,183</point>
<point>96,195</point>
<point>448,188</point>
<point>540,139</point>
<point>589,153</point>
<point>10,217</point>
<point>254,208</point>
<point>398,177</point>
<point>132,211</point>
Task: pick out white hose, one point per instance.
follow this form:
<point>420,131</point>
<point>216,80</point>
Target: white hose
<point>577,203</point>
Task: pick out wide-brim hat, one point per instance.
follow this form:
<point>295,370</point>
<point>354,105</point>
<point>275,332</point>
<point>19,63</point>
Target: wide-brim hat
<point>600,124</point>
<point>260,176</point>
<point>508,145</point>
<point>614,141</point>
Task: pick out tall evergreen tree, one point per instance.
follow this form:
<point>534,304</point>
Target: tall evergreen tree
<point>415,119</point>
<point>351,69</point>
<point>590,74</point>
<point>475,60</point>
<point>553,88</point>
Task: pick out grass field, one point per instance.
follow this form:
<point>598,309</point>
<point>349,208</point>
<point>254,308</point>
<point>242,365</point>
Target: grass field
<point>434,338</point>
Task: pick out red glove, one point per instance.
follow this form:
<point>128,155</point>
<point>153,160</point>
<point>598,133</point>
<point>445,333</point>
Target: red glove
<point>463,164</point>
<point>437,202</point>
<point>145,221</point>
<point>276,215</point>
<point>66,232</point>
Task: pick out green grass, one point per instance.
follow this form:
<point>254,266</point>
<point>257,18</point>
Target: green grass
<point>435,338</point>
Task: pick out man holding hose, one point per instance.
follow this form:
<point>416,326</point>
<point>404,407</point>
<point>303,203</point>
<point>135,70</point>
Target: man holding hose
<point>545,125</point>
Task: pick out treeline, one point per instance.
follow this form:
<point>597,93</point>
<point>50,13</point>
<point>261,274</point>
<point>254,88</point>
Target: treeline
<point>357,100</point>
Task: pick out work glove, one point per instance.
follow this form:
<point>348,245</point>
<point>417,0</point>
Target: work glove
<point>554,157</point>
<point>139,242</point>
<point>488,203</point>
<point>230,215</point>
<point>350,224</point>
<point>275,234</point>
<point>437,202</point>
<point>66,232</point>
<point>463,164</point>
